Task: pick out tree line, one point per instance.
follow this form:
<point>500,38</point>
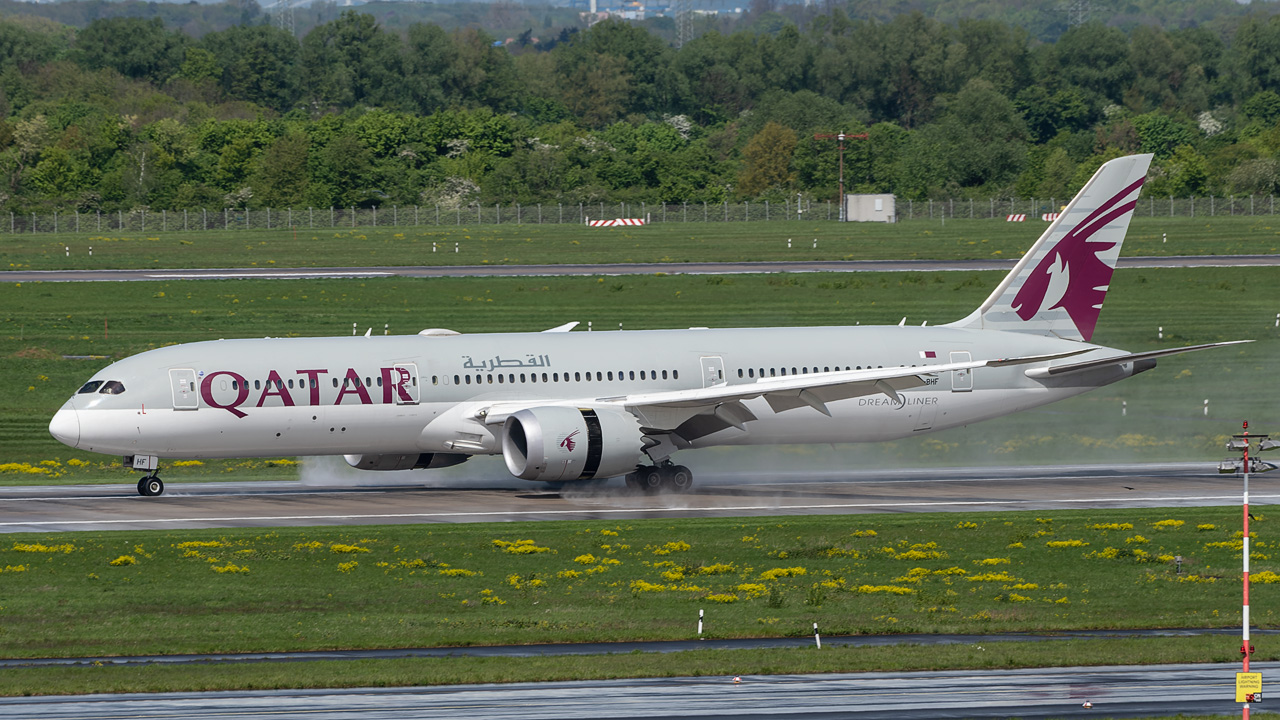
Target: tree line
<point>127,113</point>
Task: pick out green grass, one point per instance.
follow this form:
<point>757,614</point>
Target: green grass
<point>699,663</point>
<point>245,590</point>
<point>42,322</point>
<point>560,244</point>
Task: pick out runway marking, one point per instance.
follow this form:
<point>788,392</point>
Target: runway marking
<point>251,275</point>
<point>572,511</point>
<point>197,494</point>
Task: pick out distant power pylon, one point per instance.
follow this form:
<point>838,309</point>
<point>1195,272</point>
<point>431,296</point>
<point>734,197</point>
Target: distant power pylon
<point>684,21</point>
<point>284,19</point>
<point>1078,11</point>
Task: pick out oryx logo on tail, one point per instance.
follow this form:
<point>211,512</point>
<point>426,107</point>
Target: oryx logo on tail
<point>1058,286</point>
<point>1072,276</point>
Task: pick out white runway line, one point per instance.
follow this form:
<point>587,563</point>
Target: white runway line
<point>572,511</point>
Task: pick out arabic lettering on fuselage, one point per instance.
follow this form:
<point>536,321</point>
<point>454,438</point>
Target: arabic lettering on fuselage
<point>497,362</point>
<point>394,383</point>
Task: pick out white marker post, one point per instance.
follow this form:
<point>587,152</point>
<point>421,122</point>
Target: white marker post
<point>91,255</point>
<point>68,249</point>
<point>788,243</point>
<point>1206,407</point>
<point>699,622</point>
<point>816,637</point>
<point>1124,408</point>
<point>455,248</point>
<point>353,329</point>
<point>815,243</point>
<point>1160,332</point>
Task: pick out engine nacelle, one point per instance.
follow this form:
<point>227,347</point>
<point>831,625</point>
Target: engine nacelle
<point>410,461</point>
<point>565,443</point>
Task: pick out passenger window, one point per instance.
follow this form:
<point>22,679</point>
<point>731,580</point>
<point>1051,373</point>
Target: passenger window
<point>751,372</point>
<point>368,382</point>
<point>773,372</point>
<point>577,377</point>
<point>291,382</point>
<point>739,372</point>
<point>112,387</point>
<point>335,382</point>
<point>522,377</point>
<point>257,384</point>
<point>600,376</point>
<point>641,374</point>
<point>499,378</point>
<point>458,381</point>
<point>610,374</point>
<point>633,374</point>
<point>468,379</point>
<point>555,377</point>
<point>435,380</point>
<point>675,374</point>
<point>377,380</point>
<point>491,378</point>
<point>664,374</point>
<point>826,369</point>
<point>91,386</point>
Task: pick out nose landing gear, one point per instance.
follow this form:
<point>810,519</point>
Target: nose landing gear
<point>150,485</point>
<point>665,477</point>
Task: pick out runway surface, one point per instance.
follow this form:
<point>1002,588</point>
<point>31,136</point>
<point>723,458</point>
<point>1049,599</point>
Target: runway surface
<point>461,498</point>
<point>424,271</point>
<point>1118,691</point>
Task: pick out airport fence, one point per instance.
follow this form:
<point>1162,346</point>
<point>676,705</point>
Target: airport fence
<point>205,219</point>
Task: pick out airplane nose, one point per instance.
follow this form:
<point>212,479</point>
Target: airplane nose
<point>65,426</point>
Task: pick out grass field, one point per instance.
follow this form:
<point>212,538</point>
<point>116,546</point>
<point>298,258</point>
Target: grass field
<point>241,590</point>
<point>1156,416</point>
<point>561,244</point>
<point>701,663</point>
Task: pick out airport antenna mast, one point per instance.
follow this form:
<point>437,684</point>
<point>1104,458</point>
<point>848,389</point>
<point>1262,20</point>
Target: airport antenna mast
<point>684,21</point>
<point>840,137</point>
<point>1077,11</point>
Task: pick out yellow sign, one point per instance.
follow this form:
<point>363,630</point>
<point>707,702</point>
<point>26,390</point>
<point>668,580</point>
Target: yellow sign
<point>1247,684</point>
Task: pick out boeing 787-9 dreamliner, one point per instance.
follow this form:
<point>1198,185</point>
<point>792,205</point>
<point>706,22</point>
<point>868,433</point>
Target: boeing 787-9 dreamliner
<point>566,406</point>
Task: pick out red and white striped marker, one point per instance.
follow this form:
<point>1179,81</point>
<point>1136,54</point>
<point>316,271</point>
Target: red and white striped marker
<point>1016,218</point>
<point>1049,217</point>
<point>616,222</point>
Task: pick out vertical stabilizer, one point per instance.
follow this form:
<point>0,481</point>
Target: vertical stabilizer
<point>1057,288</point>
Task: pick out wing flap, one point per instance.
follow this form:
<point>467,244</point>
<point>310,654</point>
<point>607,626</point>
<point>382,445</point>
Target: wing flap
<point>1079,367</point>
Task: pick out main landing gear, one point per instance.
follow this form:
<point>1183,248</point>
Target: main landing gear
<point>661,478</point>
<point>150,485</point>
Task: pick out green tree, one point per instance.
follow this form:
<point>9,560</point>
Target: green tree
<point>133,47</point>
<point>258,63</point>
<point>281,176</point>
<point>767,160</point>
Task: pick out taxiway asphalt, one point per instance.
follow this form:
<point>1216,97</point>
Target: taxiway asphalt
<point>456,498</point>
<point>1118,691</point>
<point>571,270</point>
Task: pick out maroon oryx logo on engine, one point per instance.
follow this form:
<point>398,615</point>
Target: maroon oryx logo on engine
<point>568,443</point>
<point>1072,276</point>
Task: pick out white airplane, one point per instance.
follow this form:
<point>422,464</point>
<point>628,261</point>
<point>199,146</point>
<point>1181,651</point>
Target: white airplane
<point>564,406</point>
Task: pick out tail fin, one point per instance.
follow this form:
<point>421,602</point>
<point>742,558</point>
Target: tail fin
<point>1057,288</point>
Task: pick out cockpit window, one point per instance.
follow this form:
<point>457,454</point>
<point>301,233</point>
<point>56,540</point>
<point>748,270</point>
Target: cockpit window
<point>91,386</point>
<point>112,387</point>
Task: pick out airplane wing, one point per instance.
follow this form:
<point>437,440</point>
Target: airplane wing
<point>1060,370</point>
<point>668,410</point>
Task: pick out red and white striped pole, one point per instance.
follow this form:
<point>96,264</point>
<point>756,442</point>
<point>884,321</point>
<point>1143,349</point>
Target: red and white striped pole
<point>1244,648</point>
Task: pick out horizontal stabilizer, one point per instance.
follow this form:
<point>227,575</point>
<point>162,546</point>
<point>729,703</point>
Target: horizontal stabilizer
<point>1060,370</point>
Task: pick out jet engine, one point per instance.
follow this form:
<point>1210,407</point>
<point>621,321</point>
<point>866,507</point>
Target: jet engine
<point>409,461</point>
<point>565,443</point>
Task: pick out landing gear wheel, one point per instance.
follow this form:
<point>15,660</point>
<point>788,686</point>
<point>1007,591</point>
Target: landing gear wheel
<point>652,479</point>
<point>633,481</point>
<point>150,486</point>
<point>679,478</point>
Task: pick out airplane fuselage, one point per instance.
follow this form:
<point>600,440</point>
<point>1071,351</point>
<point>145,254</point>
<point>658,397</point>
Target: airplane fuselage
<point>420,394</point>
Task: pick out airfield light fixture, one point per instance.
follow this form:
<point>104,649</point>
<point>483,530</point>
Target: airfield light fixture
<point>1248,685</point>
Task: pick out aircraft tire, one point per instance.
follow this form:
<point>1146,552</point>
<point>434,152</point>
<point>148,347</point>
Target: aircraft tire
<point>633,481</point>
<point>150,486</point>
<point>680,478</point>
<point>652,479</point>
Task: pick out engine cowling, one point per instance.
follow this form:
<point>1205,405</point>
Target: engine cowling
<point>409,461</point>
<point>564,443</point>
